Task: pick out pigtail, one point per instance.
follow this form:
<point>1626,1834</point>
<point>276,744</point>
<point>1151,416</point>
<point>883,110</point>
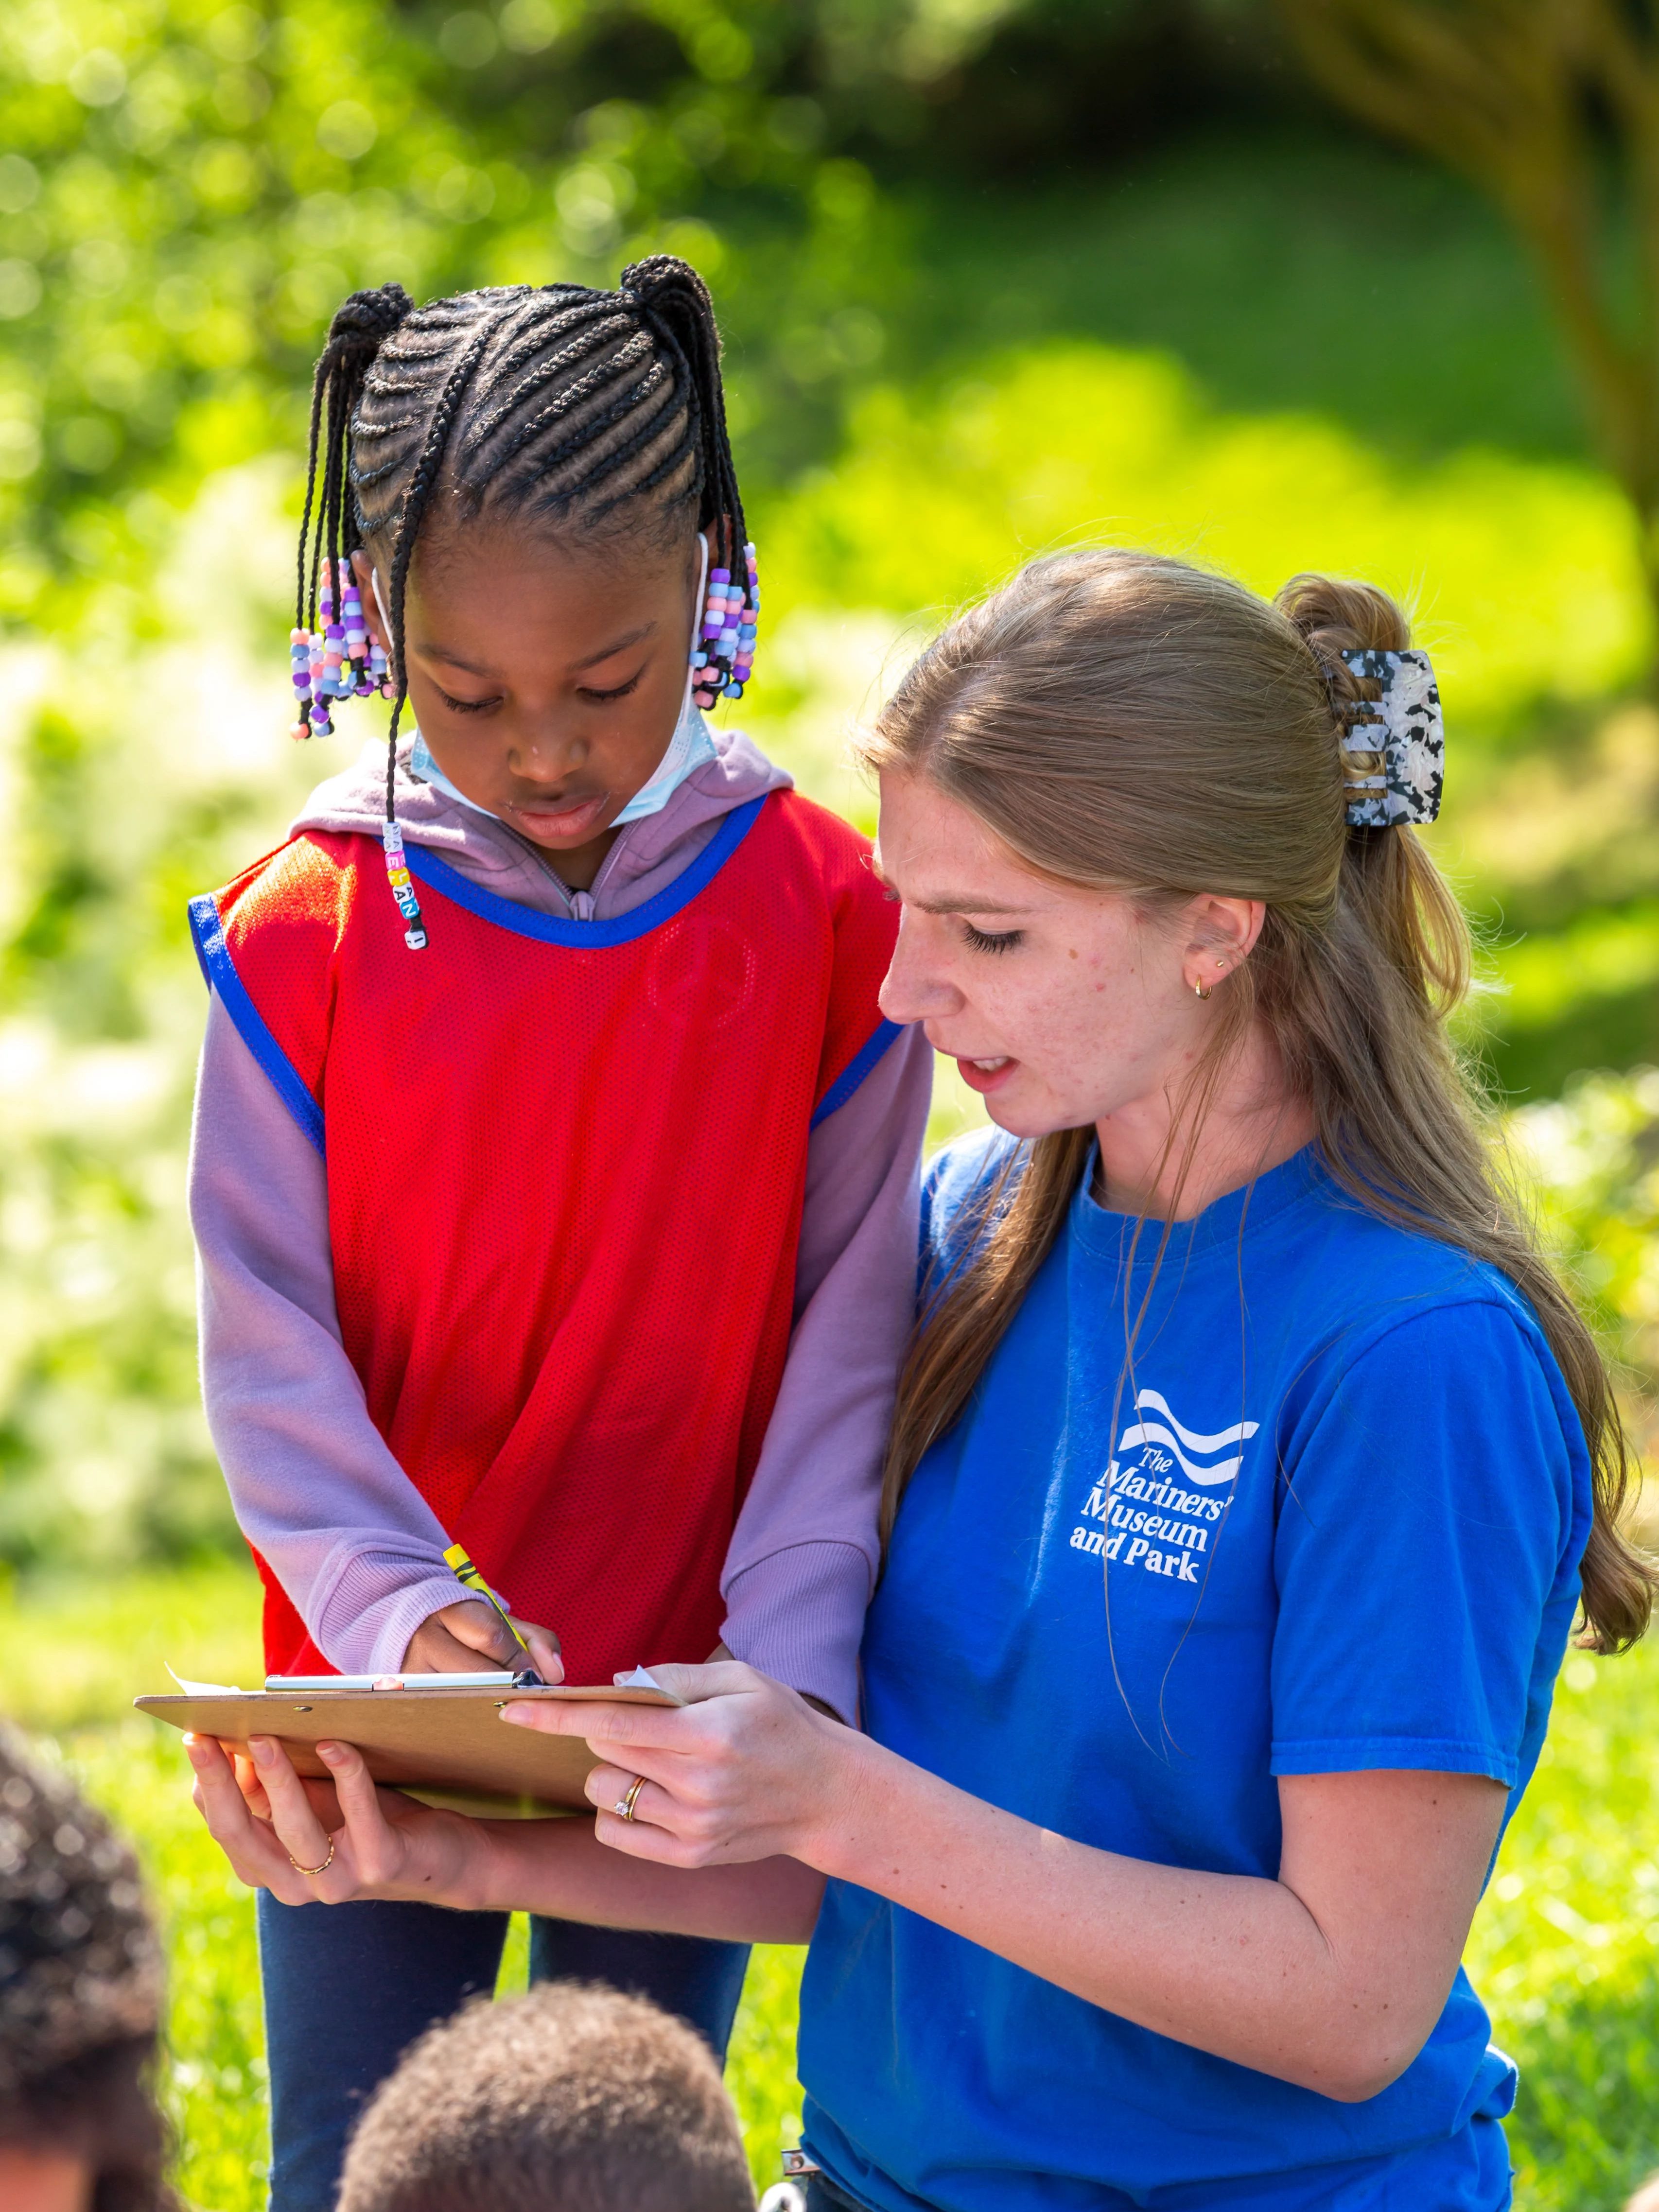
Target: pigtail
<point>675,302</point>
<point>361,327</point>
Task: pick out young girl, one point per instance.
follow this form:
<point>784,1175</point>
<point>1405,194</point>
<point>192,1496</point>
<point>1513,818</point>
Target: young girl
<point>556,1199</point>
<point>1248,1471</point>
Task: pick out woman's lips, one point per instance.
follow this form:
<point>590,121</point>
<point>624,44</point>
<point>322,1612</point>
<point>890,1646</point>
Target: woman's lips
<point>567,821</point>
<point>987,1074</point>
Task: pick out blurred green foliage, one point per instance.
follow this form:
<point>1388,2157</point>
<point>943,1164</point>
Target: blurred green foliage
<point>189,189</point>
<point>950,345</point>
<point>995,275</point>
<point>1592,1157</point>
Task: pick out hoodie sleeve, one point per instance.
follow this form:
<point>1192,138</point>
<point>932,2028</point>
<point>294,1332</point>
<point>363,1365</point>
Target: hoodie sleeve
<point>315,1488</point>
<point>803,1557</point>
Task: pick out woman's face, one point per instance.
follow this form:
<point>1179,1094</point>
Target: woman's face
<point>1063,1007</point>
<point>546,684</point>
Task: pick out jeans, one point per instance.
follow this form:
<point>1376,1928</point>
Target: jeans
<point>823,2196</point>
<point>349,1987</point>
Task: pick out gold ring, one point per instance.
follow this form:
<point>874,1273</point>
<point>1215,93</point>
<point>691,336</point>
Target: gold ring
<point>624,1807</point>
<point>325,1867</point>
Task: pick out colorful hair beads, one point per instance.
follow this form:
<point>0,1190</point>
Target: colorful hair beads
<point>723,658</point>
<point>338,661</point>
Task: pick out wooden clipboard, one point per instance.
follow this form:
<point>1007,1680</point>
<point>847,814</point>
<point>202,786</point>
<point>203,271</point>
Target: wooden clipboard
<point>448,1747</point>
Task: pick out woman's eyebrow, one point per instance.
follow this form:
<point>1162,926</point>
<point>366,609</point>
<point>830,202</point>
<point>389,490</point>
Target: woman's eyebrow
<point>945,901</point>
<point>964,903</point>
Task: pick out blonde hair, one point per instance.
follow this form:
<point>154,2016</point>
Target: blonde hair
<point>1124,721</point>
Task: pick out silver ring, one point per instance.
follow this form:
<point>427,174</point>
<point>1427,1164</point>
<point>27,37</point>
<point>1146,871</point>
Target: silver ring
<point>624,1807</point>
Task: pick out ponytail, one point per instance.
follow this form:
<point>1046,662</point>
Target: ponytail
<point>1123,721</point>
<point>1411,1143</point>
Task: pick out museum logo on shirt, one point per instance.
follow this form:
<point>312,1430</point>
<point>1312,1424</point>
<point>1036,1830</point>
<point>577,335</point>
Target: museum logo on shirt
<point>1159,1504</point>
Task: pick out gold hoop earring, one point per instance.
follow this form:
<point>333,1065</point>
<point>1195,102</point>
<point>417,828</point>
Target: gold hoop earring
<point>1199,991</point>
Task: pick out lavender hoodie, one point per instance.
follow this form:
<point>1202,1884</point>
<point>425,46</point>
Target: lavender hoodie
<point>314,1487</point>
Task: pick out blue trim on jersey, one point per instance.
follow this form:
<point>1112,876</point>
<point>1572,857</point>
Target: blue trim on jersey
<point>855,1072</point>
<point>551,929</point>
<point>219,971</point>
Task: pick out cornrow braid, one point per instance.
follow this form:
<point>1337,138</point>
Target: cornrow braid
<point>556,405</point>
<point>411,508</point>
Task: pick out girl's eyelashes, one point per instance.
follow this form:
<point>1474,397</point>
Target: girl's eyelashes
<point>618,691</point>
<point>986,940</point>
<point>583,691</point>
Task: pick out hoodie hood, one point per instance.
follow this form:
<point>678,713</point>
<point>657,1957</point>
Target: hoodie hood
<point>644,859</point>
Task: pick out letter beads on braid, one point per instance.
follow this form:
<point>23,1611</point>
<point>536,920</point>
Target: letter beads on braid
<point>586,412</point>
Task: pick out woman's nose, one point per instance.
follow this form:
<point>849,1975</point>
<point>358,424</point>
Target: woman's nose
<point>913,987</point>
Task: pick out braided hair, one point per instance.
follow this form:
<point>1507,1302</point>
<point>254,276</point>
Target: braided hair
<point>551,404</point>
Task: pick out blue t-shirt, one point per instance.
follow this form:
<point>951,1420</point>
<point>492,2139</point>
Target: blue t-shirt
<point>1330,1519</point>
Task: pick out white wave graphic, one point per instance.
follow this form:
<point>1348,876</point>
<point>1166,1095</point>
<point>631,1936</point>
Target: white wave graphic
<point>1236,1434</point>
<point>1174,1436</point>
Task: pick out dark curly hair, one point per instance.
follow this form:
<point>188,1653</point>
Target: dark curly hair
<point>80,1989</point>
<point>572,2099</point>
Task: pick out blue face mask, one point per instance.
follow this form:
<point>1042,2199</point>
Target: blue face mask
<point>691,746</point>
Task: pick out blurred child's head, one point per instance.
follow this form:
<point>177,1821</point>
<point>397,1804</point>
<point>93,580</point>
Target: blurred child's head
<point>570,2100</point>
<point>80,1991</point>
<point>522,474</point>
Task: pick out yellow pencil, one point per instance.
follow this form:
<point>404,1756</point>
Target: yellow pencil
<point>461,1567</point>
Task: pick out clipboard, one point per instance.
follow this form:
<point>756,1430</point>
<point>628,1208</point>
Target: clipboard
<point>448,1747</point>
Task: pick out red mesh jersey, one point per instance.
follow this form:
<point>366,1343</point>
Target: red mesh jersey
<point>566,1163</point>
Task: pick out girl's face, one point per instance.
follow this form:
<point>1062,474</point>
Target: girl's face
<point>546,682</point>
<point>1063,1006</point>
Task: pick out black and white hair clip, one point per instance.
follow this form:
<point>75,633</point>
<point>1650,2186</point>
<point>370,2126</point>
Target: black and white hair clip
<point>1403,729</point>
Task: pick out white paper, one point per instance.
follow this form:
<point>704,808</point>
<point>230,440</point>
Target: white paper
<point>207,1689</point>
<point>640,1679</point>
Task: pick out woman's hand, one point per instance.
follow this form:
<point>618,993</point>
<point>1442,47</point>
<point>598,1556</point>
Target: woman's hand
<point>362,1842</point>
<point>356,1840</point>
<point>468,1638</point>
<point>743,1770</point>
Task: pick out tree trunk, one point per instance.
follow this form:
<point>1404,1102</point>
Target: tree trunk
<point>1507,92</point>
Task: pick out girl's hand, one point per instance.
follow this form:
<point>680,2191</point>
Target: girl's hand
<point>468,1638</point>
<point>743,1770</point>
<point>357,1839</point>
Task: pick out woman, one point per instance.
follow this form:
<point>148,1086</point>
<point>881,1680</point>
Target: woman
<point>1247,1471</point>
